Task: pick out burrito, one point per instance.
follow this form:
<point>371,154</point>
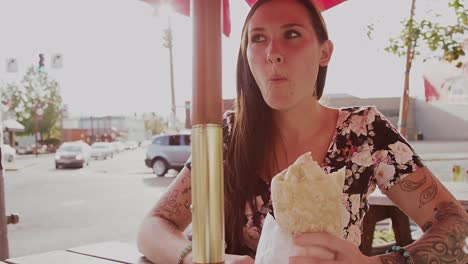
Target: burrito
<point>306,199</point>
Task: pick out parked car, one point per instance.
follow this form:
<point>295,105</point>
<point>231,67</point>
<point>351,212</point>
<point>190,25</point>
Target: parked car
<point>118,146</point>
<point>102,150</point>
<point>131,145</point>
<point>24,149</point>
<point>72,154</point>
<point>8,153</point>
<point>168,152</point>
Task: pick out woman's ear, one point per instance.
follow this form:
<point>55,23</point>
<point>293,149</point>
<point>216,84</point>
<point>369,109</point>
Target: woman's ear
<point>326,53</point>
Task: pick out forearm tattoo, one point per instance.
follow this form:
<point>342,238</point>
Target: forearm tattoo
<point>443,239</point>
<point>428,193</point>
<point>169,206</point>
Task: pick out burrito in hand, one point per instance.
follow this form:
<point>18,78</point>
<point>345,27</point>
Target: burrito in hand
<point>306,199</point>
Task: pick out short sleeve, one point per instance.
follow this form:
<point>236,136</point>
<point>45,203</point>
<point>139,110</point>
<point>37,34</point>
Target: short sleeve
<point>392,155</point>
<point>228,122</point>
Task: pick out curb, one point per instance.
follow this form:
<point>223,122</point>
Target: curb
<point>17,168</point>
<point>444,156</point>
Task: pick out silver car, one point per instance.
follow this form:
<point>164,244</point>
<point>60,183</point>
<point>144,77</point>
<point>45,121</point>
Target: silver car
<point>102,150</point>
<point>168,152</point>
<point>72,154</point>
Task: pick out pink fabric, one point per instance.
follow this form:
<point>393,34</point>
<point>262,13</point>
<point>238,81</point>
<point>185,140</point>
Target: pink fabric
<point>322,4</point>
<point>183,7</point>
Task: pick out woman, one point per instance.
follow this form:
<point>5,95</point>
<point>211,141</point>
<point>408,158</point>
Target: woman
<point>281,73</point>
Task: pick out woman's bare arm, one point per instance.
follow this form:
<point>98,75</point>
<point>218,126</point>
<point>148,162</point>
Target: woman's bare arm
<point>160,237</point>
<point>444,221</point>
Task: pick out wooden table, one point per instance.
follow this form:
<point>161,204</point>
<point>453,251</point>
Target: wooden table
<point>381,207</point>
<point>117,252</point>
<point>101,253</point>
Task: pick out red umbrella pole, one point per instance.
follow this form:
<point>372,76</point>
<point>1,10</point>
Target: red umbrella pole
<point>3,217</point>
<point>207,160</point>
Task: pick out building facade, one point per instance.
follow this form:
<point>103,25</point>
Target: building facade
<point>108,128</point>
<point>436,121</point>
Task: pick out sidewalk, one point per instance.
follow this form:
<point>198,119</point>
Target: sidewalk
<point>441,150</point>
<point>24,161</point>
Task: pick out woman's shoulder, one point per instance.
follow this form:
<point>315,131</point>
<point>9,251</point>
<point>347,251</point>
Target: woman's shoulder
<point>360,110</point>
<point>359,114</point>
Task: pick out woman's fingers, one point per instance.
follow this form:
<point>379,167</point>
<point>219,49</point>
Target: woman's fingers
<point>312,251</point>
<point>310,260</point>
<point>321,239</point>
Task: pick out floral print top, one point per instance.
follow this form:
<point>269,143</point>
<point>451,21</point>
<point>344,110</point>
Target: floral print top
<point>370,148</point>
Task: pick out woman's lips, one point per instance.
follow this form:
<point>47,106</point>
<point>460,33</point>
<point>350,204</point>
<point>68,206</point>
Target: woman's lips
<point>277,79</point>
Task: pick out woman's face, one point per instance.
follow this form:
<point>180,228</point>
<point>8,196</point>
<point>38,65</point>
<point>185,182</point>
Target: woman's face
<point>284,53</point>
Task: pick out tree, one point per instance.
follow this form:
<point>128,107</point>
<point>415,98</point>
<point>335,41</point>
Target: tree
<point>36,91</point>
<point>427,34</point>
<point>155,123</point>
<point>432,35</point>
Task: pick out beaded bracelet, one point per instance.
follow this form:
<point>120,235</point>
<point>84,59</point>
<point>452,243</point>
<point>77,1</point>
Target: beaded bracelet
<point>406,255</point>
<point>184,253</point>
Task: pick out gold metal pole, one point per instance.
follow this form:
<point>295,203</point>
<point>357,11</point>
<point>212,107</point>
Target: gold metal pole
<point>207,160</point>
<point>207,194</point>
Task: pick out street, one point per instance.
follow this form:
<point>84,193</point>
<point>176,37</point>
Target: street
<point>63,208</point>
<point>107,200</point>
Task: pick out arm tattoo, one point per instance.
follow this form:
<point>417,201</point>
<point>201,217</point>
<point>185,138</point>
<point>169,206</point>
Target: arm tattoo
<point>187,205</point>
<point>428,194</point>
<point>187,177</point>
<point>392,258</point>
<point>427,225</point>
<point>408,185</point>
<point>169,205</point>
<point>443,239</point>
<point>186,190</point>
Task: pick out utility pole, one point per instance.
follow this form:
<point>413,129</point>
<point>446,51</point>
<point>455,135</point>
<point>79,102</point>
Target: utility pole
<point>40,70</point>
<point>404,102</point>
<point>92,130</point>
<point>168,44</point>
<point>35,130</point>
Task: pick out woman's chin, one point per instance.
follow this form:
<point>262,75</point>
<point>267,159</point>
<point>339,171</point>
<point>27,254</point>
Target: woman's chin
<point>278,105</point>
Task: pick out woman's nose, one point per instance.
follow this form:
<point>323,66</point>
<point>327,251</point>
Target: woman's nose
<point>274,55</point>
<point>275,58</point>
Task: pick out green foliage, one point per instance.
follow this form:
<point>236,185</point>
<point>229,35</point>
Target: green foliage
<point>155,123</point>
<point>382,237</point>
<point>431,34</point>
<point>36,90</point>
<point>52,141</point>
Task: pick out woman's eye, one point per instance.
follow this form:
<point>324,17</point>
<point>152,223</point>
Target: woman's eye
<point>257,38</point>
<point>291,34</point>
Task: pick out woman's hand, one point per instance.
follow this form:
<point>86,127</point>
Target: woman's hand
<point>236,259</point>
<point>323,247</point>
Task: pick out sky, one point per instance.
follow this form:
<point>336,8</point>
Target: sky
<point>114,62</point>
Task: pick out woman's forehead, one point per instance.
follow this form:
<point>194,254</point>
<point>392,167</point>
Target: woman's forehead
<point>278,13</point>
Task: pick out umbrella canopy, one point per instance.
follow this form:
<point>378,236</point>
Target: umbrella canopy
<point>183,7</point>
<point>12,125</point>
<point>321,4</point>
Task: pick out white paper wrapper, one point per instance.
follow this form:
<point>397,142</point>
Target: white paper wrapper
<point>275,245</point>
<point>305,199</point>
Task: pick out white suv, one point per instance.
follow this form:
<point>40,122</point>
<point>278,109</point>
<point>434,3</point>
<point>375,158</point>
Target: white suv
<point>168,152</point>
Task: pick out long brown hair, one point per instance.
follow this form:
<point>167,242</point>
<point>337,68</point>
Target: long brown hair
<point>250,149</point>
